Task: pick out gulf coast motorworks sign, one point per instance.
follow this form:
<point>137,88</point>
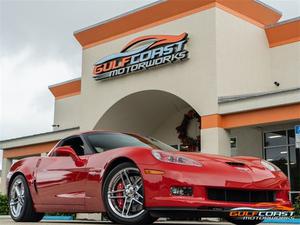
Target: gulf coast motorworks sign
<point>142,53</point>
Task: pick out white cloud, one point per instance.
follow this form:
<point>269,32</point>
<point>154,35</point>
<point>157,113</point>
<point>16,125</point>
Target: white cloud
<point>26,103</point>
<point>288,8</point>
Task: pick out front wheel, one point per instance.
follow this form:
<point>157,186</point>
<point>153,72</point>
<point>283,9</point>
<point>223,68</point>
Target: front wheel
<point>20,202</point>
<point>123,195</point>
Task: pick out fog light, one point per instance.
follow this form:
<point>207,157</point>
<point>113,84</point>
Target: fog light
<point>181,191</point>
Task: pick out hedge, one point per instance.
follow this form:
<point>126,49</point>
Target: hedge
<point>3,205</point>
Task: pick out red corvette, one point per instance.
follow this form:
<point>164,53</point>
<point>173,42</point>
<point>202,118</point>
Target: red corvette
<point>136,180</point>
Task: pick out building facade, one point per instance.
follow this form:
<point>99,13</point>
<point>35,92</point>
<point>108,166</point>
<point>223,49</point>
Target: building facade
<point>236,66</point>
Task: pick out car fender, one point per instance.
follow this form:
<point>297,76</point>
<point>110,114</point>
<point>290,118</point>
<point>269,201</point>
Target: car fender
<point>27,168</point>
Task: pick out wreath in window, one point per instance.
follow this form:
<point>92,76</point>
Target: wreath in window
<point>192,144</point>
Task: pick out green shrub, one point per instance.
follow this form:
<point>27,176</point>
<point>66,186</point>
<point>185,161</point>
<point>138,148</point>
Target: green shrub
<point>3,205</point>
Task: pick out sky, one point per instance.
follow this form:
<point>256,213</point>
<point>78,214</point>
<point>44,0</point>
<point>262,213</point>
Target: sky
<point>37,49</point>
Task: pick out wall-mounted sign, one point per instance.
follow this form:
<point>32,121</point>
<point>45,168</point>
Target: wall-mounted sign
<point>142,53</point>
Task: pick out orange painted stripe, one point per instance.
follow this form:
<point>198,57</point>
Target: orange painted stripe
<point>283,33</point>
<point>251,11</point>
<point>262,116</point>
<point>170,10</point>
<point>67,95</point>
<point>86,41</point>
<point>255,117</point>
<point>210,121</point>
<point>238,14</point>
<point>66,89</point>
<point>28,150</point>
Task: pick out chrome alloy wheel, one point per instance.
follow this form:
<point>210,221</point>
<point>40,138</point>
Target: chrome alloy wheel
<point>125,193</point>
<point>17,198</point>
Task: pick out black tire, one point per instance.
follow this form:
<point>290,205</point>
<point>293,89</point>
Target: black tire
<point>243,222</point>
<point>27,212</point>
<point>143,218</point>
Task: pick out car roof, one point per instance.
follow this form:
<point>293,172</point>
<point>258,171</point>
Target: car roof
<point>103,131</point>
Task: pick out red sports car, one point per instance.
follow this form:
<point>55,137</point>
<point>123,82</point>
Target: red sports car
<point>135,180</point>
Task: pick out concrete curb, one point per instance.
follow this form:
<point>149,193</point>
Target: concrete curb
<point>4,216</point>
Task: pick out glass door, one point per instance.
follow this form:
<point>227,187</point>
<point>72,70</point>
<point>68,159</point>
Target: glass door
<point>279,148</point>
<point>276,151</point>
<point>294,164</point>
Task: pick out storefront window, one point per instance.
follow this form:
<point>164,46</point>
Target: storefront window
<point>291,137</point>
<point>280,149</point>
<point>295,167</point>
<point>275,138</point>
<point>279,157</point>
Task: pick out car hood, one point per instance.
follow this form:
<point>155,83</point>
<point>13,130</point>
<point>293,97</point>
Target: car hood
<point>236,171</point>
<point>232,161</point>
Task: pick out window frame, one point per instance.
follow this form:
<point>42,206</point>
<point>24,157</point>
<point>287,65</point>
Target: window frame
<point>87,149</point>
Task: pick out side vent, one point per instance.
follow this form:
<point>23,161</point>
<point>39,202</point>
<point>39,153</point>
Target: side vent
<point>238,164</point>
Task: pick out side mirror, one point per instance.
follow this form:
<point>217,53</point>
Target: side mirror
<point>68,151</point>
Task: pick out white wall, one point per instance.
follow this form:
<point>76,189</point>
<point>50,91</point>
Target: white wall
<point>243,56</point>
<point>249,141</point>
<point>227,56</point>
<point>194,80</point>
<point>285,65</point>
<point>246,63</point>
<point>215,141</point>
<point>67,112</point>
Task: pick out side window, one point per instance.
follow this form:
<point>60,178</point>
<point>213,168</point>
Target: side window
<point>76,143</point>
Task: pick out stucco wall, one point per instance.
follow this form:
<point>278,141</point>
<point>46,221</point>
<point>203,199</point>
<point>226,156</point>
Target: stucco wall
<point>215,141</point>
<point>243,56</point>
<point>67,112</point>
<point>227,56</point>
<point>249,141</point>
<point>190,80</point>
<point>285,65</point>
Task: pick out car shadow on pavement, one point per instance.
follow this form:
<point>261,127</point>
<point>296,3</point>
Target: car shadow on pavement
<point>110,223</point>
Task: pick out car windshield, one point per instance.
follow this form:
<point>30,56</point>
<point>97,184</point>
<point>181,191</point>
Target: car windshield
<point>103,141</point>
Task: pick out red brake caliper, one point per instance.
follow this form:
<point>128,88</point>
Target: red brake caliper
<point>120,201</point>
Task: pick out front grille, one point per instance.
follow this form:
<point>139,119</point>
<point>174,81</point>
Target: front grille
<point>231,195</point>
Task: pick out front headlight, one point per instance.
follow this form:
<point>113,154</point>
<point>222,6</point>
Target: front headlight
<point>269,166</point>
<point>176,159</point>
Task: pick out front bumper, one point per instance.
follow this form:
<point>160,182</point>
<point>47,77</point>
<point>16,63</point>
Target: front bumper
<point>157,187</point>
<point>191,213</point>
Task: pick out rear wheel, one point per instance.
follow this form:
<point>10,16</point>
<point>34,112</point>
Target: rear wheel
<point>123,195</point>
<point>20,202</point>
